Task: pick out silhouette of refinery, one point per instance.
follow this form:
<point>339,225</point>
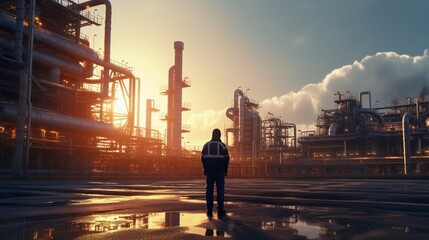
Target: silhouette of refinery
<point>58,114</point>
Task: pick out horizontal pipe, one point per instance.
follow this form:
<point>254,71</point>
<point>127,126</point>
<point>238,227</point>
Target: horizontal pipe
<point>63,45</point>
<point>52,61</point>
<point>59,122</point>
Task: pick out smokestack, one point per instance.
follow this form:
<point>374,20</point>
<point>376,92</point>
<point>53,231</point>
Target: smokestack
<point>177,99</point>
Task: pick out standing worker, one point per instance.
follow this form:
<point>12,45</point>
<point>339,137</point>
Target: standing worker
<point>215,159</point>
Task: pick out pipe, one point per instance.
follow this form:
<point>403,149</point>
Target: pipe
<point>417,102</point>
<point>170,96</point>
<point>67,67</point>
<point>149,107</point>
<point>23,88</point>
<point>230,113</point>
<point>131,100</point>
<point>333,129</point>
<point>49,60</point>
<point>238,115</point>
<point>66,46</point>
<point>365,93</point>
<point>406,140</point>
<point>357,111</point>
<point>54,75</point>
<point>39,82</point>
<point>59,122</point>
<point>177,110</point>
<point>107,35</point>
<point>237,93</point>
<point>30,49</point>
<point>18,26</point>
<point>241,118</point>
<point>236,120</point>
<point>138,102</point>
<point>341,137</point>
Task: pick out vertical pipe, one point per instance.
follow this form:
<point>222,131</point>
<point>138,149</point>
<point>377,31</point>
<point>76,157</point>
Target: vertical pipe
<point>406,141</point>
<point>236,118</point>
<point>365,93</point>
<point>112,108</point>
<point>345,148</point>
<point>149,104</point>
<point>177,129</point>
<point>138,102</point>
<point>107,41</point>
<point>23,88</point>
<point>29,76</point>
<point>419,147</point>
<point>241,126</point>
<point>417,112</point>
<point>170,111</point>
<point>131,100</point>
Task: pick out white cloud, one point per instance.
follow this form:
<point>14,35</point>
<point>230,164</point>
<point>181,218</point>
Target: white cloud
<point>387,75</point>
<point>203,123</point>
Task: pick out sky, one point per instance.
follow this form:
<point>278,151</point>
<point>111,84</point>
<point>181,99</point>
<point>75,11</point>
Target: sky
<point>292,55</point>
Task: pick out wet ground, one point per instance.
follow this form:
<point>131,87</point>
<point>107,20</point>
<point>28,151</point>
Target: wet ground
<point>175,209</point>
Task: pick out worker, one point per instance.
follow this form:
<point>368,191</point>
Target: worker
<point>215,159</point>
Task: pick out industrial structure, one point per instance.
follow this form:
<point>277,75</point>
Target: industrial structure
<point>173,91</point>
<point>57,94</point>
<point>356,140</point>
<point>246,128</point>
<point>59,113</point>
<point>349,140</point>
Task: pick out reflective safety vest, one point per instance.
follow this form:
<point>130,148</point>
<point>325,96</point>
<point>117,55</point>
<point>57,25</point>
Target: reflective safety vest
<point>215,157</point>
<point>219,149</point>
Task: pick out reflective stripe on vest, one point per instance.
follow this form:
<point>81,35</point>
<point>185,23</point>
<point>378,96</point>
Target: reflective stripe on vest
<point>210,155</point>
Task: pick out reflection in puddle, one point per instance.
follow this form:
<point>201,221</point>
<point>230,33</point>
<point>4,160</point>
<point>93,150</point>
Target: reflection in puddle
<point>108,222</point>
<point>161,220</point>
<point>290,224</point>
<point>191,200</point>
<point>103,199</point>
<point>307,230</point>
<point>302,228</point>
<point>101,223</point>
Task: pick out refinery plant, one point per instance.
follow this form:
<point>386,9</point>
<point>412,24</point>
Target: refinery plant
<point>57,96</point>
<point>58,115</point>
<point>350,140</point>
<point>356,140</point>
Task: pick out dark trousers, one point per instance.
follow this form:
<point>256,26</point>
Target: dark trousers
<point>219,178</point>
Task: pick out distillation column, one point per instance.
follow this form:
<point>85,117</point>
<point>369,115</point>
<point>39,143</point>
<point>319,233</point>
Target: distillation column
<point>150,108</point>
<point>174,116</point>
<point>177,112</point>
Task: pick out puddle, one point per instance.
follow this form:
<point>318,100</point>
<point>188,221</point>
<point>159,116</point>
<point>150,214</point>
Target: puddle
<point>106,199</point>
<point>161,220</point>
<point>290,221</point>
<point>191,200</point>
<point>207,232</point>
<point>302,228</point>
<point>103,223</point>
<point>307,230</point>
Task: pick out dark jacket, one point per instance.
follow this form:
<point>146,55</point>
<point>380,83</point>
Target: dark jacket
<point>215,156</point>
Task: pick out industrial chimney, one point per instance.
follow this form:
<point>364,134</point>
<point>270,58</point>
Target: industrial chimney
<point>175,108</point>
